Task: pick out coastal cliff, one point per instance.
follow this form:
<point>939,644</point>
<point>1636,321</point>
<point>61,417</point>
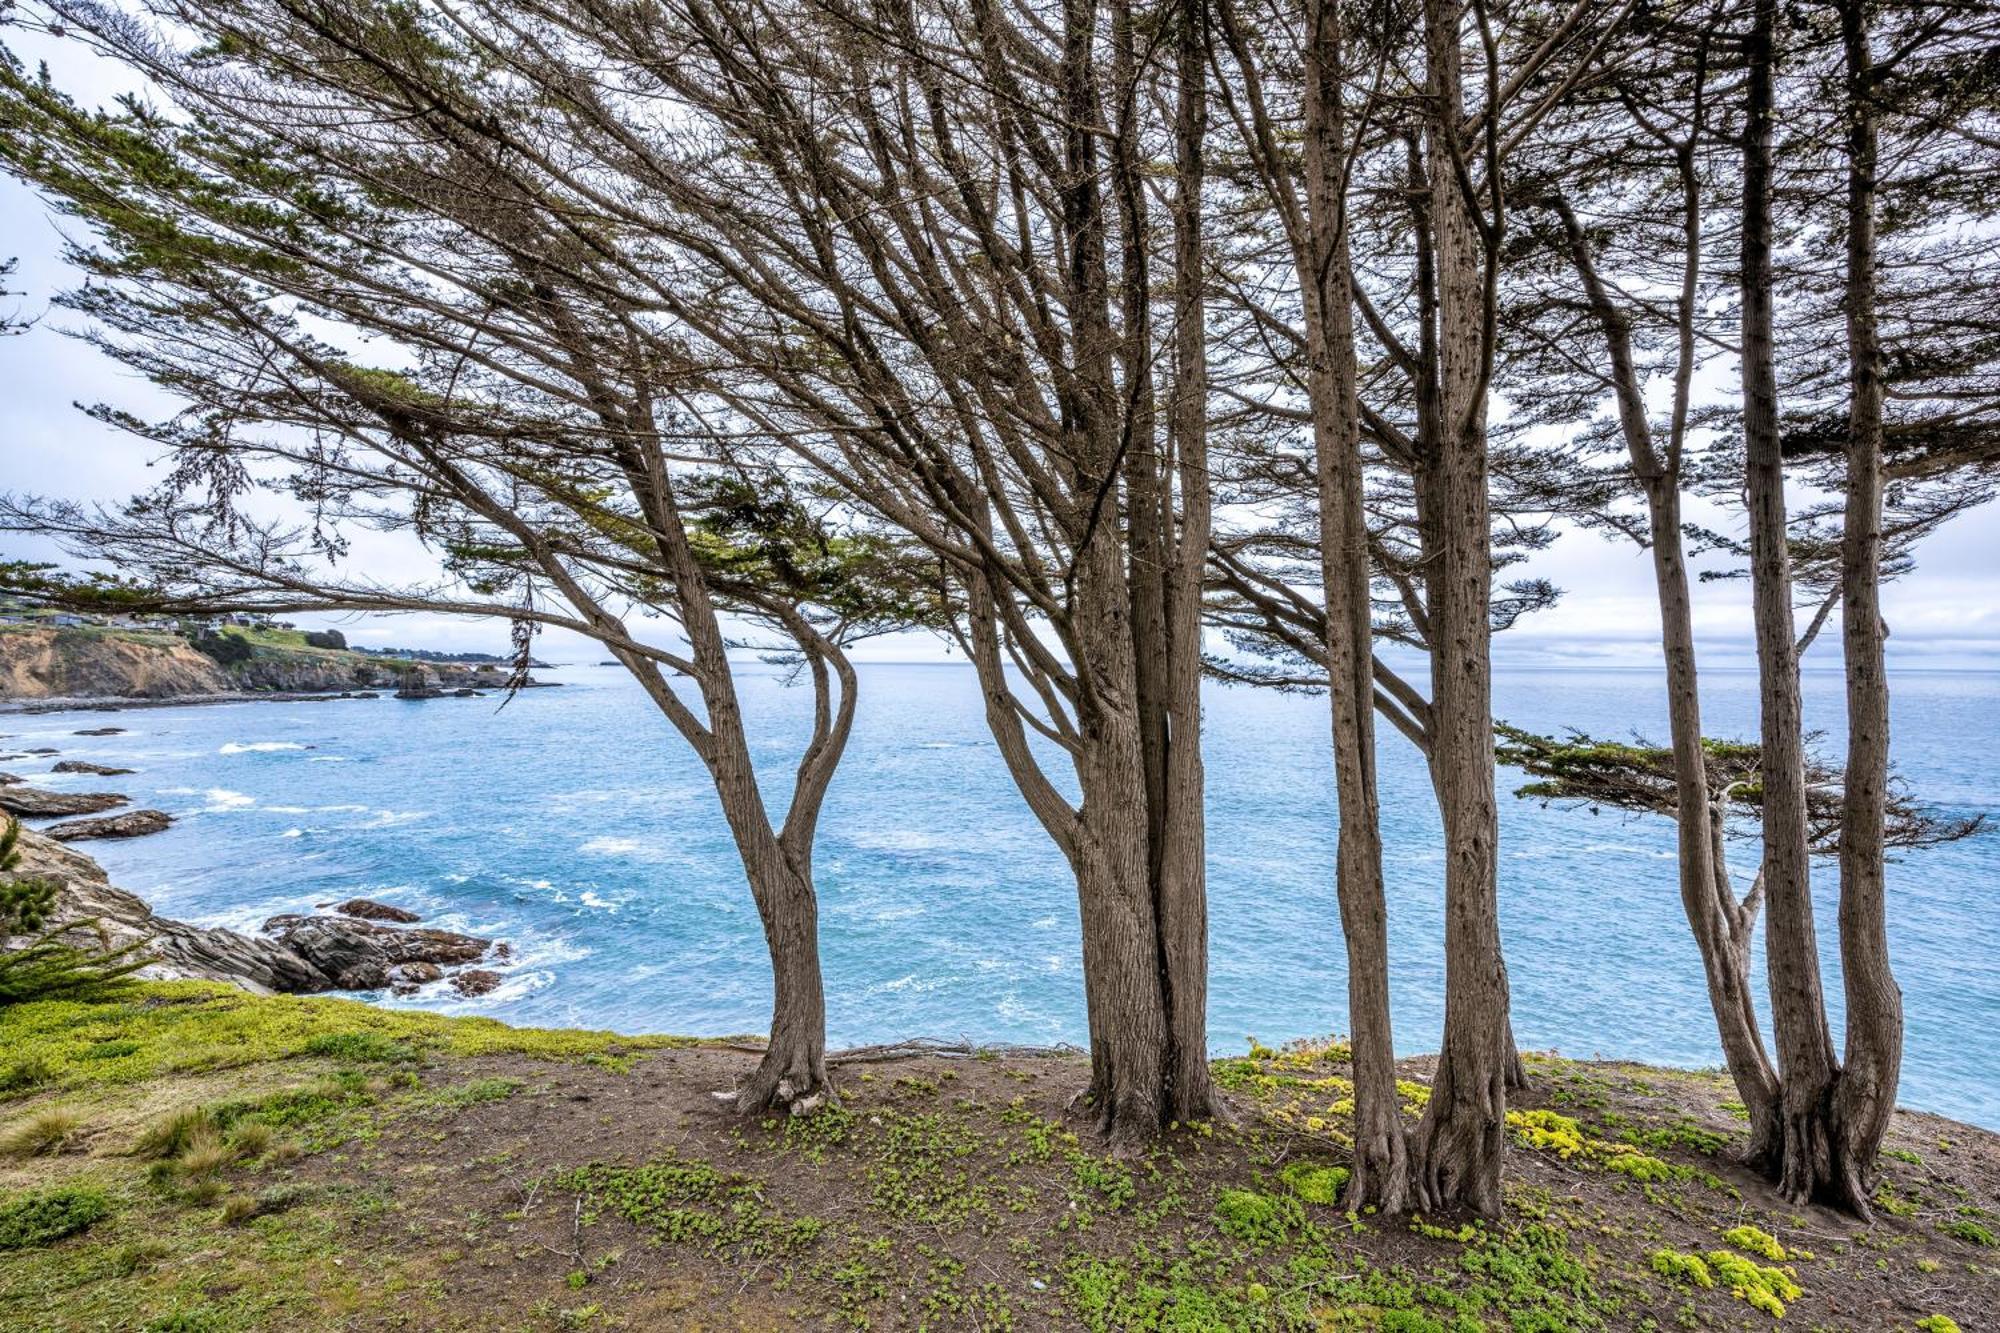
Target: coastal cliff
<point>93,663</point>
<point>81,664</point>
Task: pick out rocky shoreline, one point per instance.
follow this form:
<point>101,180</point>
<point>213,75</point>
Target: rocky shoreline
<point>353,947</point>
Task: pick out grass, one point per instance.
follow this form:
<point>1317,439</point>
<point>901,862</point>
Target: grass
<point>188,1027</point>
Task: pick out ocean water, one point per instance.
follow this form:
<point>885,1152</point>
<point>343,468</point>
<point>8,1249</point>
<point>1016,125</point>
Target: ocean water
<point>577,825</point>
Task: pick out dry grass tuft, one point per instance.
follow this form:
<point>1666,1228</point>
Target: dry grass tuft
<point>41,1134</point>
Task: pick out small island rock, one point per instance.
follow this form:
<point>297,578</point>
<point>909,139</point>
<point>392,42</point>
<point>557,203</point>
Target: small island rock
<point>85,766</point>
<point>128,824</point>
<point>370,910</point>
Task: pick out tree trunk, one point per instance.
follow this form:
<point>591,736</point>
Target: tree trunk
<point>792,1075</point>
<point>1804,1162</point>
<point>1722,928</point>
<point>1458,1145</point>
<point>1182,857</point>
<point>1381,1168</point>
<point>1867,1092</point>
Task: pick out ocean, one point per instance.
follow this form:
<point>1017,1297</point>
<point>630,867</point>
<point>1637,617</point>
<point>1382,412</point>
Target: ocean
<point>577,825</point>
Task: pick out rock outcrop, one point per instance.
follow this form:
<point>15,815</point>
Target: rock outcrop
<point>83,893</point>
<point>41,803</point>
<point>365,955</point>
<point>418,682</point>
<point>308,954</point>
<point>125,824</point>
<point>85,766</point>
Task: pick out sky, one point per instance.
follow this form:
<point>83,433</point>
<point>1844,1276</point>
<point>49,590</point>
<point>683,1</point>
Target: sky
<point>1944,615</point>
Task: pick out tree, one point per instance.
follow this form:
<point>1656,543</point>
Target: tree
<point>562,468</point>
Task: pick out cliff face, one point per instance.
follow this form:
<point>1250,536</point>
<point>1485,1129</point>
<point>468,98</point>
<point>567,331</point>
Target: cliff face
<point>57,663</point>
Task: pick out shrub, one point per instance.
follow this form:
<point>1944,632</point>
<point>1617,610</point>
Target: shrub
<point>41,1219</point>
<point>226,649</point>
<point>325,638</point>
<point>45,1132</point>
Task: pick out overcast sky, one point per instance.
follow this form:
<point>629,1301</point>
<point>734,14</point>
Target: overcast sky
<point>1946,614</point>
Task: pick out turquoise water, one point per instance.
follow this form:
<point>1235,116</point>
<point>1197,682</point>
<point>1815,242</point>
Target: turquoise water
<point>577,825</point>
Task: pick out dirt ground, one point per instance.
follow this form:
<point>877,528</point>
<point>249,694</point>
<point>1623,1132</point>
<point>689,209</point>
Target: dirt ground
<point>395,1182</point>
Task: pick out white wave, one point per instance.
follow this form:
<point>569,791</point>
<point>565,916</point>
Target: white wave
<point>258,747</point>
<point>614,847</point>
<point>327,759</point>
<point>221,798</point>
<point>289,809</point>
<point>590,899</point>
<point>293,833</point>
<point>391,818</point>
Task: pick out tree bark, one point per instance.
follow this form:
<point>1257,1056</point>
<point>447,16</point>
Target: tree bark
<point>1183,855</point>
<point>1381,1166</point>
<point>1866,1096</point>
<point>1458,1144</point>
<point>1804,1161</point>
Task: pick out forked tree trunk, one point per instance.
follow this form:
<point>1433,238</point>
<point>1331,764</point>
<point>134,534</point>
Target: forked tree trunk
<point>1381,1165</point>
<point>791,1076</point>
<point>1721,925</point>
<point>1866,1096</point>
<point>1806,1140</point>
<point>1459,1142</point>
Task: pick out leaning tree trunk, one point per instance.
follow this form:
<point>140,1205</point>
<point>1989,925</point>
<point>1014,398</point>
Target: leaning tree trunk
<point>1804,1164</point>
<point>1867,1092</point>
<point>1459,1143</point>
<point>1381,1166</point>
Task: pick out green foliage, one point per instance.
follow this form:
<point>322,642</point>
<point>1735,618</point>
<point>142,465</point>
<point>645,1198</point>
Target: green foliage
<point>1761,1288</point>
<point>1937,1323</point>
<point>1973,1233</point>
<point>32,1220</point>
<point>180,1026</point>
<point>1315,1184</point>
<point>1690,1269</point>
<point>1259,1219</point>
<point>365,1046</point>
<point>226,648</point>
<point>1755,1240</point>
